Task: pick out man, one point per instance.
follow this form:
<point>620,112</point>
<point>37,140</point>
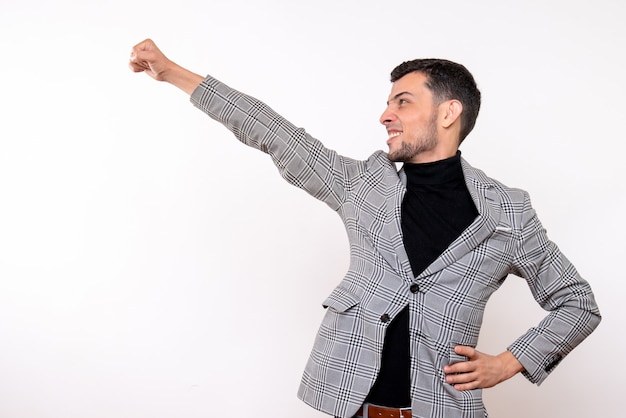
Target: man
<point>429,245</point>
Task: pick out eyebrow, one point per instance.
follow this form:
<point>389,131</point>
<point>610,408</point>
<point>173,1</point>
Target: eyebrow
<point>397,96</point>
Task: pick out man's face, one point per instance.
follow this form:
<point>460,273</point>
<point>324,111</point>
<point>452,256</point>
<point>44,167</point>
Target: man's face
<point>410,119</point>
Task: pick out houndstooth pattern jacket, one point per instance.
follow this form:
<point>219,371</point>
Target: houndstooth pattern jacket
<point>446,301</point>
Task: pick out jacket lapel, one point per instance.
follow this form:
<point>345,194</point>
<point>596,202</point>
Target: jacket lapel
<point>487,202</point>
<point>389,242</point>
<point>391,245</point>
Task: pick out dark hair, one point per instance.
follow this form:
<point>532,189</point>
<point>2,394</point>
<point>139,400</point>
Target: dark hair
<point>447,80</point>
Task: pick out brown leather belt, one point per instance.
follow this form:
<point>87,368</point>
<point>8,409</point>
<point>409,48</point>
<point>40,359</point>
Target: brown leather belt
<point>374,411</point>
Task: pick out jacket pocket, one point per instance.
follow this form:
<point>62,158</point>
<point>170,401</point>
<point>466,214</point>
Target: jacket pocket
<point>340,300</point>
<point>503,232</point>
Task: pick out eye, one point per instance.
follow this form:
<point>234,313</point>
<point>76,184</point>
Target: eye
<point>402,102</point>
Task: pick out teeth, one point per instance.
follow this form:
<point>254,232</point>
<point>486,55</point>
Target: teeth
<point>394,134</point>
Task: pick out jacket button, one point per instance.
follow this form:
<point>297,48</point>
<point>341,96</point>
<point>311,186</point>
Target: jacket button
<point>414,288</point>
<point>385,318</point>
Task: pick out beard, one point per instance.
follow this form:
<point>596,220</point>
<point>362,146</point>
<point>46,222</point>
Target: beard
<point>425,141</point>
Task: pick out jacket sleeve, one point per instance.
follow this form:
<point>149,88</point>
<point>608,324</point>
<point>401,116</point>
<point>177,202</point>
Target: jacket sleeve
<point>559,289</point>
<point>301,159</point>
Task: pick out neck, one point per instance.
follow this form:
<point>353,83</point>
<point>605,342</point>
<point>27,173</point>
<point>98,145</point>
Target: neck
<point>434,155</point>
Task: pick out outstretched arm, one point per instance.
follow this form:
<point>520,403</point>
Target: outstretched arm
<point>301,159</point>
<point>147,57</point>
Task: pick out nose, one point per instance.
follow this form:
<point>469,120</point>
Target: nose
<point>387,117</point>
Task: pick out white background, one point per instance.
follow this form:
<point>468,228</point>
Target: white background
<point>152,266</point>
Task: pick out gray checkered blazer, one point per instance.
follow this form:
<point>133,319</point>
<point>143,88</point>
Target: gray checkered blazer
<point>446,301</point>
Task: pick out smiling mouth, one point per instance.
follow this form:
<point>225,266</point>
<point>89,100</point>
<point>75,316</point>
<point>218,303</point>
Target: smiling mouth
<point>393,135</point>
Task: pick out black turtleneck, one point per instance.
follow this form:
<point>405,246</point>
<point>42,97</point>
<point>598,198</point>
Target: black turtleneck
<point>437,207</point>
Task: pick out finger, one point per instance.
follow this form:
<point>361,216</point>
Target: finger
<point>461,378</point>
<point>461,367</point>
<point>139,63</point>
<point>143,51</point>
<point>135,67</point>
<point>142,57</point>
<point>136,63</point>
<point>145,45</point>
<point>467,386</point>
<point>465,350</point>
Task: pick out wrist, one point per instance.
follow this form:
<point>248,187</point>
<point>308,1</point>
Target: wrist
<point>512,365</point>
<point>170,72</point>
<point>181,77</point>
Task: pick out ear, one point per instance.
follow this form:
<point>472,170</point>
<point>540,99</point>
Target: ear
<point>450,110</point>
